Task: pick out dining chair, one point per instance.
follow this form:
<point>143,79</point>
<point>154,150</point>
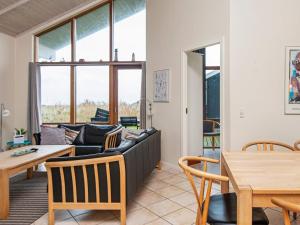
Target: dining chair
<point>218,209</point>
<point>266,145</point>
<point>211,129</point>
<point>286,208</point>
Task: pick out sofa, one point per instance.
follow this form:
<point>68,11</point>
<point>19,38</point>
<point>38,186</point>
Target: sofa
<point>141,154</point>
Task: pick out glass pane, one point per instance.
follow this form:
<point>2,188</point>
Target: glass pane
<point>55,88</point>
<point>129,92</point>
<point>92,35</point>
<point>55,45</point>
<point>92,88</point>
<point>130,29</point>
<point>213,55</point>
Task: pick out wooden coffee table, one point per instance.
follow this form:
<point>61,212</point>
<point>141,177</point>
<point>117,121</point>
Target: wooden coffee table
<point>12,165</point>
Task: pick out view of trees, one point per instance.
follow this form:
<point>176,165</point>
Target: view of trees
<point>85,111</point>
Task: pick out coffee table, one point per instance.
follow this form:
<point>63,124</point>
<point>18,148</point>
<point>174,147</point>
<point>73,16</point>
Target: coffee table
<point>10,166</point>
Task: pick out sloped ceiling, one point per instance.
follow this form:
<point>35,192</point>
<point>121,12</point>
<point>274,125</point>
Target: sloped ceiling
<point>17,16</point>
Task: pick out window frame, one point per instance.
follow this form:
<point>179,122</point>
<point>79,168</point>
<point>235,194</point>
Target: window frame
<point>113,65</point>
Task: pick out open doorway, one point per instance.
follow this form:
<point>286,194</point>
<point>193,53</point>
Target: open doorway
<point>202,116</point>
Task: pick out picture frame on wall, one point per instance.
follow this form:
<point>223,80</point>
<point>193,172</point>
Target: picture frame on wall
<point>161,86</point>
<point>292,80</point>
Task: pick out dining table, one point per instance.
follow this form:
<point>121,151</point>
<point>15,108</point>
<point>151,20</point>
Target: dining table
<point>256,177</point>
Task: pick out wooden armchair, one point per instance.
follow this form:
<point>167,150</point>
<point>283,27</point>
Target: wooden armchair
<point>95,182</point>
<point>267,145</point>
<point>286,208</point>
<point>113,138</point>
<point>216,209</point>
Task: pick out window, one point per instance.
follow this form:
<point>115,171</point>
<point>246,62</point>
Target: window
<point>55,45</point>
<point>81,82</point>
<point>129,92</point>
<point>130,29</point>
<point>92,35</point>
<point>92,91</point>
<point>55,94</point>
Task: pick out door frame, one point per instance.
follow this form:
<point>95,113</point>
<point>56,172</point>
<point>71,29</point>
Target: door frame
<point>184,101</point>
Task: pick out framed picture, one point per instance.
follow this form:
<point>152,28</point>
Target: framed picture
<point>292,81</point>
<point>161,85</point>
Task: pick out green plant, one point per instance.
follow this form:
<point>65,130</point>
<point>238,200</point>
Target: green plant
<point>20,131</point>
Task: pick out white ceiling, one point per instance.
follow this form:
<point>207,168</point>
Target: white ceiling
<point>17,16</point>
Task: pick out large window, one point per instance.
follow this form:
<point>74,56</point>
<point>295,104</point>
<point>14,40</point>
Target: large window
<point>55,94</point>
<point>81,80</point>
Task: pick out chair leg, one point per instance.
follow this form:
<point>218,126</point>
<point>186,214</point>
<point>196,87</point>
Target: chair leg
<point>51,217</point>
<point>123,217</point>
<point>294,215</point>
<point>213,142</point>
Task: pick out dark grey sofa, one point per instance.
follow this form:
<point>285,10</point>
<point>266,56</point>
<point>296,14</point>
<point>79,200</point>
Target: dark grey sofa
<point>141,156</point>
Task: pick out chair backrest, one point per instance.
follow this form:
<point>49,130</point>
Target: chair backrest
<point>286,208</point>
<point>101,113</point>
<point>128,120</point>
<point>203,200</point>
<point>111,138</point>
<point>210,125</point>
<point>267,145</point>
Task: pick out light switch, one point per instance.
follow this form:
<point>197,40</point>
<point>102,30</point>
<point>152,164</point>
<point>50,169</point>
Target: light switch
<point>242,113</point>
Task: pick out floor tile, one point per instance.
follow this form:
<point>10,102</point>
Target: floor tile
<point>174,179</point>
<point>181,217</point>
<point>274,217</point>
<point>158,222</point>
<point>184,199</point>
<point>169,191</point>
<point>140,217</point>
<point>149,198</point>
<point>78,212</point>
<point>156,185</point>
<point>94,217</point>
<point>164,207</point>
<point>70,221</point>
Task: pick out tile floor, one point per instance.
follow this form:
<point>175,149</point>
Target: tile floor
<point>165,199</point>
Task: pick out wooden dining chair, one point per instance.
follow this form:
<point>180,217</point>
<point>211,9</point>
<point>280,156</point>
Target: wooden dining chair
<point>216,209</point>
<point>267,145</point>
<point>286,208</point>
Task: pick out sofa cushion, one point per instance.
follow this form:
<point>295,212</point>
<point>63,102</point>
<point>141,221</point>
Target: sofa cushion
<point>94,134</point>
<point>79,140</point>
<point>71,135</point>
<point>150,130</point>
<point>52,136</point>
<point>123,147</point>
<point>141,137</point>
<point>88,149</point>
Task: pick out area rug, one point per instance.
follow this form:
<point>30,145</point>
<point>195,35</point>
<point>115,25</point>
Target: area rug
<point>28,200</point>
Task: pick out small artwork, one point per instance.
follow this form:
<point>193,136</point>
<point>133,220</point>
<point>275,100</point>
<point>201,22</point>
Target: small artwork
<point>161,85</point>
<point>292,81</point>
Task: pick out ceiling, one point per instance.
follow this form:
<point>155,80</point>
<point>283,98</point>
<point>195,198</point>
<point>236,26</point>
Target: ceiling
<point>17,16</point>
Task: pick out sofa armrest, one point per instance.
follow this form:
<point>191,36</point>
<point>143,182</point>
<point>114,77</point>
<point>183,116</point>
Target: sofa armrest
<point>88,150</point>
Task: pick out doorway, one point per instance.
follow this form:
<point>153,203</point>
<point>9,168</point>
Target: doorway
<point>202,99</point>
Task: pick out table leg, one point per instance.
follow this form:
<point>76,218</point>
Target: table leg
<point>224,185</point>
<point>29,173</point>
<point>4,194</point>
<point>244,206</point>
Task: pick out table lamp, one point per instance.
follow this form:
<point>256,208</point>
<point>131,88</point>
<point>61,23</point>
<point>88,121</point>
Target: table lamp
<point>3,113</point>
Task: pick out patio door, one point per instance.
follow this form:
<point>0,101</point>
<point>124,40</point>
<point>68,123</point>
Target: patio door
<point>128,95</point>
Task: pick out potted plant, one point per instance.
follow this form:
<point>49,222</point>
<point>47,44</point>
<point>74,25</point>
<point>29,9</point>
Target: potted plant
<point>19,137</point>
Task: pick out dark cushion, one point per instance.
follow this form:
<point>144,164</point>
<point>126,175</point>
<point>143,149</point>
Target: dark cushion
<point>223,209</point>
<point>37,138</point>
<point>124,146</point>
<point>71,126</point>
<point>150,130</point>
<point>88,150</point>
<point>208,126</point>
<point>94,134</point>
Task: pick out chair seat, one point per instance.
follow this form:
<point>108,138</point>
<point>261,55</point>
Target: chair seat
<point>223,210</point>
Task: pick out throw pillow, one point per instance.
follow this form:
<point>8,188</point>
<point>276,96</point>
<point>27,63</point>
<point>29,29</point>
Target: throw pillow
<point>71,135</point>
<point>79,140</point>
<point>52,136</point>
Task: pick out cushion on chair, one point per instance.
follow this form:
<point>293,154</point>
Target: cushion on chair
<point>223,210</point>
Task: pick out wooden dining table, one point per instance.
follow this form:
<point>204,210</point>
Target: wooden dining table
<point>256,177</point>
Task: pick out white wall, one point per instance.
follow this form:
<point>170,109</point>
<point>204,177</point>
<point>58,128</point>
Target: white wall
<point>7,56</point>
<point>174,26</point>
<point>259,32</point>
